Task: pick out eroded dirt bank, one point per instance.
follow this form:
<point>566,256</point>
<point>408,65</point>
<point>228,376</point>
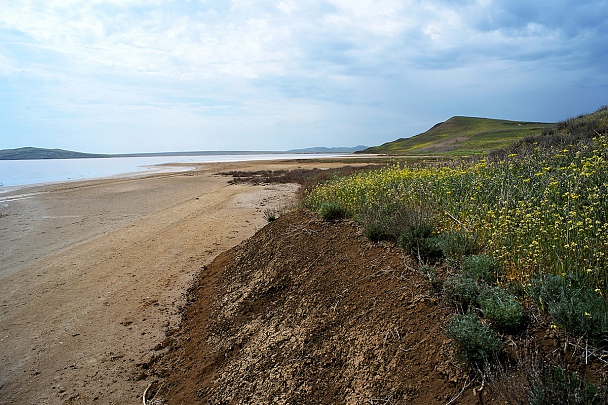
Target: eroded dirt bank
<point>93,273</point>
<point>310,312</point>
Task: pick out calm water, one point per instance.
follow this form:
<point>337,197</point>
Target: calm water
<point>25,172</point>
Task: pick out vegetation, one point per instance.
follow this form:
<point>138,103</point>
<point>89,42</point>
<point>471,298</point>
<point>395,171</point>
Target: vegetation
<point>476,342</point>
<point>461,136</point>
<point>539,211</point>
<point>531,218</point>
<point>558,386</point>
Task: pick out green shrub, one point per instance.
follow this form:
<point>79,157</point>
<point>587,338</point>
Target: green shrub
<point>501,308</point>
<point>377,231</point>
<point>457,244</point>
<point>572,304</point>
<point>535,379</point>
<point>332,211</point>
<point>461,291</point>
<point>420,242</point>
<point>544,290</point>
<point>475,342</point>
<point>482,268</point>
<point>558,386</point>
<point>389,220</point>
<point>582,313</point>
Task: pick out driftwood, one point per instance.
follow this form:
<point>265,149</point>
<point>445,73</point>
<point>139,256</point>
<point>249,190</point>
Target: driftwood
<point>143,398</point>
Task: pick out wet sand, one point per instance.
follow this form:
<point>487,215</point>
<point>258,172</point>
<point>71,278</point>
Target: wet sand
<point>93,274</point>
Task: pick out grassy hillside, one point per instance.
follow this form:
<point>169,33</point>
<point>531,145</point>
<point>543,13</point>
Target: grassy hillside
<point>522,232</point>
<point>40,153</point>
<point>460,136</point>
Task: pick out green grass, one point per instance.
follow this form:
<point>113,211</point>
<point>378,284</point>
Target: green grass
<point>463,136</point>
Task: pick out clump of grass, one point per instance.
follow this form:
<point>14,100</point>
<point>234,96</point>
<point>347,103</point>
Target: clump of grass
<point>377,231</point>
<point>536,379</point>
<point>462,292</point>
<point>482,268</point>
<point>475,342</point>
<point>430,273</point>
<point>501,309</point>
<point>572,304</point>
<point>421,241</point>
<point>331,211</point>
<point>478,273</point>
<point>457,244</point>
<point>559,386</point>
<point>392,220</point>
<point>271,215</point>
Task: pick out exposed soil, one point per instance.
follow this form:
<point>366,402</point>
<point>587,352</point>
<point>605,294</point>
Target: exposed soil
<point>308,311</point>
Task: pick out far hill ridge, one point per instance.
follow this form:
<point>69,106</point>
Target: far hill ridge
<point>460,136</point>
<point>29,153</point>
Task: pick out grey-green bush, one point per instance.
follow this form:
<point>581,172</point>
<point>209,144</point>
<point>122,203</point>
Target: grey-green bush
<point>482,268</point>
<point>573,305</point>
<point>461,291</point>
<point>501,309</point>
<point>457,244</point>
<point>331,211</point>
<point>475,342</point>
<point>558,386</point>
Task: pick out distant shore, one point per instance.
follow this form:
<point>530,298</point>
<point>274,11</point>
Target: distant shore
<point>30,153</point>
<point>29,172</point>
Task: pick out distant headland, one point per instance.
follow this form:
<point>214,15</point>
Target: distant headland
<point>31,153</point>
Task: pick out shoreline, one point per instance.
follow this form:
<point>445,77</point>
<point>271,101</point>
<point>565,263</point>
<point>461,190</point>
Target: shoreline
<point>94,273</point>
<point>69,170</point>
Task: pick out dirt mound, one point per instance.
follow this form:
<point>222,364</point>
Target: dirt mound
<point>308,311</point>
<point>311,312</point>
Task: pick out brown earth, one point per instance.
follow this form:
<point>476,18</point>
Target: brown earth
<point>93,273</point>
<point>308,311</point>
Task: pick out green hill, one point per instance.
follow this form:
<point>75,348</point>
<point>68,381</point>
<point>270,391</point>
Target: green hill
<point>461,136</point>
<point>41,153</point>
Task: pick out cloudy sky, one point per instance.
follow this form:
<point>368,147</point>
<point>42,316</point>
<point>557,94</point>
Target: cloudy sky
<point>118,76</point>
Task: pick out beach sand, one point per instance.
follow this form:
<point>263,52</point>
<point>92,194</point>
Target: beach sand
<point>93,274</point>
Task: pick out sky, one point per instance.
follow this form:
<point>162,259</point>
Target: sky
<point>122,76</point>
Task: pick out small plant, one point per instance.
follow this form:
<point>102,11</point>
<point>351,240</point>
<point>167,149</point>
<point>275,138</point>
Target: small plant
<point>420,241</point>
<point>544,290</point>
<point>376,231</point>
<point>457,244</point>
<point>475,342</point>
<point>390,220</point>
<point>271,215</point>
<point>481,268</point>
<point>558,386</point>
<point>332,211</point>
<point>430,274</point>
<point>501,308</point>
<point>572,304</point>
<point>535,379</point>
<point>461,291</point>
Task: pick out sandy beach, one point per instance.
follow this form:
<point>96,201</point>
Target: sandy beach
<point>93,274</point>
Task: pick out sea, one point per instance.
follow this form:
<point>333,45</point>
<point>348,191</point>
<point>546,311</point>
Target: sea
<point>15,173</point>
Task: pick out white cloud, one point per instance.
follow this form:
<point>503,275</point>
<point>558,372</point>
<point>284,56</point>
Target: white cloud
<point>316,67</point>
